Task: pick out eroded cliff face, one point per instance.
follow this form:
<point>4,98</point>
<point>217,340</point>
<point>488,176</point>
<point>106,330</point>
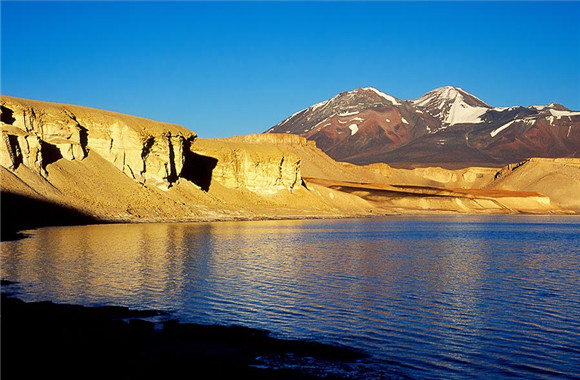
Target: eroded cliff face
<point>36,134</point>
<point>254,164</point>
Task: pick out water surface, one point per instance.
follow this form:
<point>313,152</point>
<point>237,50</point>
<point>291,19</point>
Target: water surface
<point>437,297</point>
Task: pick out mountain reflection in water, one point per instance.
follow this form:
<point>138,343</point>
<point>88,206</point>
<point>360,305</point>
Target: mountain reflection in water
<point>453,296</point>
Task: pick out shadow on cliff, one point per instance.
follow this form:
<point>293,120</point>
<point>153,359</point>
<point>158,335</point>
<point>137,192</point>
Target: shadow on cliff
<point>7,115</point>
<point>198,169</point>
<point>19,213</point>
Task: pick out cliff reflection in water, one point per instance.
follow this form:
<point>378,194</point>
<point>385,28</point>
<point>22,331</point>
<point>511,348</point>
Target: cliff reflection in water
<point>139,263</point>
<point>427,297</point>
<point>243,271</point>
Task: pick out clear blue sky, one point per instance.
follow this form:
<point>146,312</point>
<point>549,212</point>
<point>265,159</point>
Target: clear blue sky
<point>223,69</point>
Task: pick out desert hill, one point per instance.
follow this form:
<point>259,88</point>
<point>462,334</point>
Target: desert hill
<point>447,127</point>
<point>70,162</point>
<point>557,178</point>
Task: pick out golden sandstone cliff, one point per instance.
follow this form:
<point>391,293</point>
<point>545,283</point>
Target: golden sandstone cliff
<point>262,167</point>
<point>116,167</point>
<point>36,134</point>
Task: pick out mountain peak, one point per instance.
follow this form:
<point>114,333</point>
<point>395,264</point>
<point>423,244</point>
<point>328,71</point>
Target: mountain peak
<point>447,89</point>
<point>390,98</point>
<point>452,93</point>
<point>558,107</point>
<point>346,102</point>
<point>452,105</point>
<point>356,98</point>
<point>368,92</point>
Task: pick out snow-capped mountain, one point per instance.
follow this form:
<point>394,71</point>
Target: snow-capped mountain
<point>342,105</point>
<point>359,120</point>
<point>452,105</point>
<point>446,127</point>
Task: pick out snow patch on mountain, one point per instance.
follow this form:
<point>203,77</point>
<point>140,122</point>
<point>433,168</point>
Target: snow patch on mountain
<point>353,129</point>
<point>348,113</point>
<point>559,114</point>
<point>391,99</point>
<point>498,130</point>
<point>323,121</point>
<point>460,112</point>
<point>318,105</point>
<point>454,104</point>
<point>501,109</point>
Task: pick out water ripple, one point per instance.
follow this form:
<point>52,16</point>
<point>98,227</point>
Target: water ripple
<point>443,297</point>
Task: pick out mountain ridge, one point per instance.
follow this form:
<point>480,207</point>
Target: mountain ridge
<point>446,127</point>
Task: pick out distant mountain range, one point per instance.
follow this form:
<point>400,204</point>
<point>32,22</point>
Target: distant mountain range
<point>446,127</point>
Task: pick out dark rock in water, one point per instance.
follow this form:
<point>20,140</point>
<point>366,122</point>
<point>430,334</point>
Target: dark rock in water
<point>48,340</point>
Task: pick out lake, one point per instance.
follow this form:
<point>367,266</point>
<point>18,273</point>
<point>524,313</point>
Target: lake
<point>426,297</point>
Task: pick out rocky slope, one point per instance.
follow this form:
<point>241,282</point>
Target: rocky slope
<point>446,127</point>
<point>557,178</point>
<point>419,199</point>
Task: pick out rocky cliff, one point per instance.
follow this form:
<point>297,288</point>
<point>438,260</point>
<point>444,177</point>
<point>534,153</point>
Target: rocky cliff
<point>255,162</point>
<point>36,134</point>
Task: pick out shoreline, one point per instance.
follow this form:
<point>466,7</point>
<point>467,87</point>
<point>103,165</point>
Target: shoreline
<point>17,233</point>
<point>45,339</point>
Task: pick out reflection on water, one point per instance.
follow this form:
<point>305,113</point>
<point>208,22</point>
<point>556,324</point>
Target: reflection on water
<point>436,297</point>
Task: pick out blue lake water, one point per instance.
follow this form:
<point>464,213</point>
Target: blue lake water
<point>426,297</point>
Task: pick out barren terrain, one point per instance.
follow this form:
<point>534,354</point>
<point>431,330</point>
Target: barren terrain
<point>110,167</point>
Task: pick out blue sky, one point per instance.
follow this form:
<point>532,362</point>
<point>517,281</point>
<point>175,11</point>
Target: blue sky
<point>223,68</point>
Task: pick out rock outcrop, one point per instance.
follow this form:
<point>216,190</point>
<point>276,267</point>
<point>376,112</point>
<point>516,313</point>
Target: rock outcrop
<point>35,134</point>
<point>421,199</point>
<point>467,178</point>
<point>255,162</point>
